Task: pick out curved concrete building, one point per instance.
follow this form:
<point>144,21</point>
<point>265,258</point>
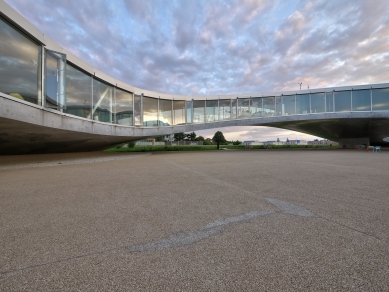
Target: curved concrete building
<point>51,101</point>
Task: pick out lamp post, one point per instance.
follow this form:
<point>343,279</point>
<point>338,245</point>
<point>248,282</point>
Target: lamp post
<point>300,84</point>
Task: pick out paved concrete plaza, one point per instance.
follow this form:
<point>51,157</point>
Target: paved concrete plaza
<point>267,220</point>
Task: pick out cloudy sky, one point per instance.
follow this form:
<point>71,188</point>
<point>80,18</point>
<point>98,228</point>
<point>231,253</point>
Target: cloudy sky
<point>223,47</point>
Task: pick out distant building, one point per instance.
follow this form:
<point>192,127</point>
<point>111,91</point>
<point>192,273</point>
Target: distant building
<point>322,142</point>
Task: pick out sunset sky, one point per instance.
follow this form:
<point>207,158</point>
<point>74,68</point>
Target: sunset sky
<point>223,47</point>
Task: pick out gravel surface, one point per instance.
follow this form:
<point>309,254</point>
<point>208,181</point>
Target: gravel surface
<point>263,220</point>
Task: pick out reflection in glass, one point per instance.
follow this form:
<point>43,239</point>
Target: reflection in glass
<point>302,104</point>
<point>318,102</point>
<point>342,101</point>
<point>234,108</point>
<point>329,102</point>
<point>280,109</point>
<point>198,111</point>
<point>361,100</point>
<point>380,99</point>
<point>243,108</point>
<point>269,106</point>
<point>289,105</point>
<point>124,108</point>
<point>256,107</point>
<point>212,110</point>
<point>165,112</point>
<point>225,109</point>
<point>189,111</point>
<point>55,80</point>
<point>138,110</point>
<point>78,92</point>
<point>102,108</point>
<point>150,112</point>
<point>19,64</point>
<point>179,112</point>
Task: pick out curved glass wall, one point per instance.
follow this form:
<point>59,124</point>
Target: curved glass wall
<point>302,104</point>
<point>318,103</point>
<point>78,92</point>
<point>150,112</point>
<point>165,114</point>
<point>256,107</point>
<point>380,99</point>
<point>124,108</point>
<point>361,100</point>
<point>102,107</point>
<point>178,112</point>
<point>243,108</point>
<point>224,109</point>
<point>280,109</point>
<point>198,111</point>
<point>342,101</point>
<point>55,80</point>
<point>20,64</point>
<point>329,102</point>
<point>137,110</point>
<point>212,110</point>
<point>234,108</point>
<point>269,106</point>
<point>289,106</point>
<point>189,112</point>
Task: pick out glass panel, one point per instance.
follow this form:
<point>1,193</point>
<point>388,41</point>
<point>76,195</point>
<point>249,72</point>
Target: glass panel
<point>55,82</point>
<point>279,106</point>
<point>361,100</point>
<point>381,99</point>
<point>189,108</point>
<point>318,103</point>
<point>198,111</point>
<point>288,102</point>
<point>225,109</point>
<point>20,61</point>
<point>179,112</point>
<point>329,102</point>
<point>102,109</point>
<point>234,108</point>
<point>342,101</point>
<point>78,92</point>
<point>165,112</point>
<point>138,110</point>
<point>256,107</point>
<point>302,104</point>
<point>124,108</point>
<point>243,108</point>
<point>212,113</point>
<point>150,112</point>
<point>269,106</point>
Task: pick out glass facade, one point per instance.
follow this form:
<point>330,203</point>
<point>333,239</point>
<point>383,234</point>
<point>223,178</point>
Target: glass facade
<point>198,111</point>
<point>361,100</point>
<point>138,110</point>
<point>224,109</point>
<point>329,102</point>
<point>20,65</point>
<point>150,112</point>
<point>318,103</point>
<point>280,109</point>
<point>178,112</point>
<point>102,107</point>
<point>380,99</point>
<point>55,80</point>
<point>78,92</point>
<point>165,115</point>
<point>212,110</point>
<point>124,108</point>
<point>342,101</point>
<point>303,105</point>
<point>234,108</point>
<point>289,104</point>
<point>189,112</point>
<point>269,106</point>
<point>243,108</point>
<point>256,107</point>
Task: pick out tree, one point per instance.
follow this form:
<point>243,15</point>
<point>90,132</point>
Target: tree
<point>159,138</point>
<point>191,136</point>
<point>200,138</point>
<point>219,138</point>
<point>237,142</point>
<point>278,139</point>
<point>287,139</point>
<point>179,137</point>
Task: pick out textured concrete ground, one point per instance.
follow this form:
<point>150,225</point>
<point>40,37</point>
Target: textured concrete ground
<point>292,220</point>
